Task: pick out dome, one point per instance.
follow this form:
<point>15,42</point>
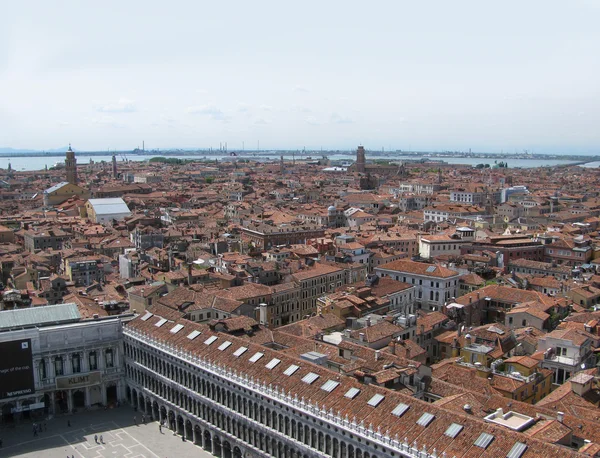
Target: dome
<point>332,208</point>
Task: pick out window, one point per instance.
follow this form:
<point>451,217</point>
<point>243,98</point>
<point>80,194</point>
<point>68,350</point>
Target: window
<point>43,369</point>
<point>109,358</point>
<point>93,361</point>
<point>76,363</point>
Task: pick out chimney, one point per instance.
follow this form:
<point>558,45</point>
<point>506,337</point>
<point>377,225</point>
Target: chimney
<point>368,321</point>
<point>560,416</point>
<point>407,352</point>
<point>377,355</point>
<point>393,347</point>
<point>422,329</point>
<point>468,338</point>
<point>361,336</point>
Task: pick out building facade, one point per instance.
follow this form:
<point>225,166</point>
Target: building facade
<point>237,399</point>
<point>434,285</point>
<point>75,364</point>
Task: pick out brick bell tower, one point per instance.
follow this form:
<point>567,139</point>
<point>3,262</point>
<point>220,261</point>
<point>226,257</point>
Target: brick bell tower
<point>71,166</point>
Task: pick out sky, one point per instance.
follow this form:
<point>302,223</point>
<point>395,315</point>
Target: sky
<point>402,75</point>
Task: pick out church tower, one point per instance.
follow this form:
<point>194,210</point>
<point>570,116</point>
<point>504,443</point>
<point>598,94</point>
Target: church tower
<point>71,166</point>
<point>114,167</point>
<point>360,159</point>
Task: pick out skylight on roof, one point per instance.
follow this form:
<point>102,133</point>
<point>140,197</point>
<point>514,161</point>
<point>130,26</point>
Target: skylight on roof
<point>147,316</point>
<point>425,419</point>
<point>290,370</point>
<point>192,335</point>
<point>310,377</point>
<point>273,363</point>
<point>453,430</point>
<point>225,345</point>
<point>400,409</point>
<point>330,385</point>
<point>484,440</point>
<point>256,356</point>
<point>176,328</point>
<point>430,269</point>
<point>210,340</point>
<point>517,450</point>
<point>161,322</point>
<point>352,393</point>
<point>240,351</point>
<point>375,400</point>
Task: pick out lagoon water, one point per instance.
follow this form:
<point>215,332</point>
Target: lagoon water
<point>38,163</point>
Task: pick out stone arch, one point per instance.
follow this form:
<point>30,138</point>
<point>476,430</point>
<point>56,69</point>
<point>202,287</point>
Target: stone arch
<point>217,446</point>
<point>134,398</point>
<point>227,452</point>
<point>207,441</point>
<point>189,430</point>
<point>343,448</point>
<point>180,425</point>
<point>171,419</point>
<point>155,411</point>
<point>198,435</point>
<point>237,452</point>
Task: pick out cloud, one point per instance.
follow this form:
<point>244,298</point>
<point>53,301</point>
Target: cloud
<point>209,110</point>
<point>64,123</point>
<point>262,122</point>
<point>266,108</point>
<point>122,106</point>
<point>298,88</point>
<point>243,107</point>
<point>201,91</point>
<point>312,121</point>
<point>300,109</point>
<point>106,121</point>
<point>338,119</point>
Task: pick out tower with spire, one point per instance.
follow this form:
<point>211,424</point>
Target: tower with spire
<point>71,166</point>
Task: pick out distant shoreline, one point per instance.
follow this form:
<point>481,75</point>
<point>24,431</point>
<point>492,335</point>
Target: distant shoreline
<point>317,154</point>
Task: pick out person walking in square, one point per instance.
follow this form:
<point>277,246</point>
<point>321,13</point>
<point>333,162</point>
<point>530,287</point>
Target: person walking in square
<point>96,438</point>
<point>101,439</point>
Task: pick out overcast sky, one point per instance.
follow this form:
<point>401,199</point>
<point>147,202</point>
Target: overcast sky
<point>424,75</point>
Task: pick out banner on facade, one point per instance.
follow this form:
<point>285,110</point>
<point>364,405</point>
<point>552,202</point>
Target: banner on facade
<point>78,380</point>
<point>16,369</point>
<point>25,408</point>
